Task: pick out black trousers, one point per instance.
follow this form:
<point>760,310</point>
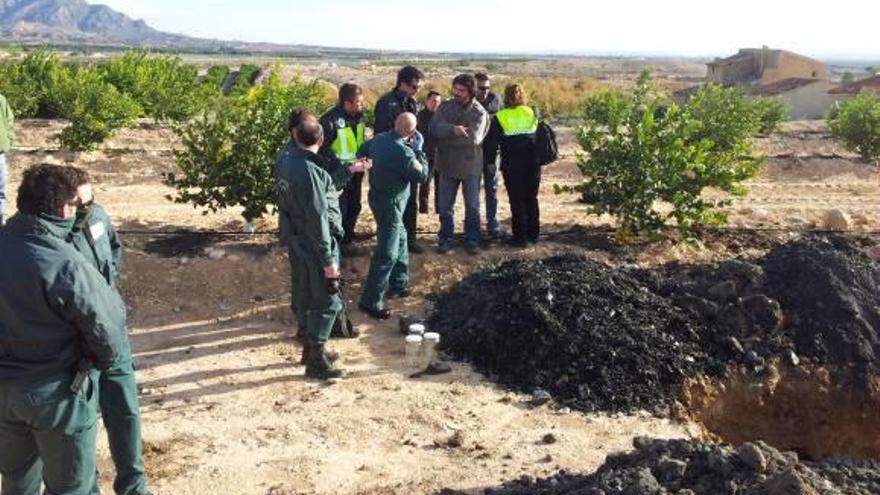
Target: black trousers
<point>522,185</point>
<point>419,193</point>
<point>350,206</point>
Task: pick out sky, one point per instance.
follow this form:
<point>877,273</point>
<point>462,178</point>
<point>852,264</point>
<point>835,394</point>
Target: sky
<point>844,29</point>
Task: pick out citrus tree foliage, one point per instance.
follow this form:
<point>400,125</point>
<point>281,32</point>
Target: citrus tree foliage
<point>228,151</point>
<point>94,107</point>
<point>771,113</point>
<point>165,87</point>
<point>29,85</point>
<point>857,123</point>
<point>216,76</point>
<point>648,160</point>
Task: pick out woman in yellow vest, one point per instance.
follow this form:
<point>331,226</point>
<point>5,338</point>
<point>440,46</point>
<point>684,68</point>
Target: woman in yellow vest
<point>513,130</point>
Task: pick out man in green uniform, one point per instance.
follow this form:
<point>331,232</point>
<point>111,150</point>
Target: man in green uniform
<point>58,321</point>
<point>307,202</point>
<point>398,161</point>
<point>344,138</point>
<point>95,238</point>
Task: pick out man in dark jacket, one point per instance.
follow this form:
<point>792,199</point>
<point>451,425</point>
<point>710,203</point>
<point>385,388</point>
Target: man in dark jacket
<point>397,101</point>
<point>432,102</point>
<point>344,138</point>
<point>59,320</point>
<point>492,104</point>
<point>94,237</point>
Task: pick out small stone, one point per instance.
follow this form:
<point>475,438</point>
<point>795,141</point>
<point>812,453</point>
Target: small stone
<point>549,439</point>
<point>734,344</point>
<point>724,291</point>
<point>642,483</point>
<point>836,220</point>
<point>753,359</point>
<point>540,397</point>
<point>752,456</point>
<point>671,470</point>
<point>793,358</point>
<point>763,312</point>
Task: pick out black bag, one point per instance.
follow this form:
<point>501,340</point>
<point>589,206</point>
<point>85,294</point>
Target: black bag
<point>343,327</point>
<point>546,148</point>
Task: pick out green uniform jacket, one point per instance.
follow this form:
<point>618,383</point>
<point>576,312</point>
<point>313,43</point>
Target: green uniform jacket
<point>285,161</point>
<point>395,167</point>
<point>97,241</point>
<point>55,308</point>
<point>7,126</point>
<point>308,203</point>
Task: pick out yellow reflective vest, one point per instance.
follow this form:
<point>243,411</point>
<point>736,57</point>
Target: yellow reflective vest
<point>517,120</point>
<point>347,143</point>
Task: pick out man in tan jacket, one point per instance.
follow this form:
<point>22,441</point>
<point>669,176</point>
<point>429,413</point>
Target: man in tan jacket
<point>459,127</point>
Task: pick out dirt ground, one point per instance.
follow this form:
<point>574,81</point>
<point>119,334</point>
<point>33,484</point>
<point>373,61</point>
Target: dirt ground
<point>226,409</point>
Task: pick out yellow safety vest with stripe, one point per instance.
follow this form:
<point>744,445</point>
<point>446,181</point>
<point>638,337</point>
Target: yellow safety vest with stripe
<point>347,143</point>
<point>516,121</point>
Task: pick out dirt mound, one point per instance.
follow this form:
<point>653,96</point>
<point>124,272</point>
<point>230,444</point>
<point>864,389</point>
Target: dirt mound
<point>816,298</point>
<point>593,337</point>
<point>830,292</point>
<point>608,339</point>
<point>686,467</point>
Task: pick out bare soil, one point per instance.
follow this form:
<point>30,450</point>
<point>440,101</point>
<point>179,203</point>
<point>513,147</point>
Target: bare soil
<point>225,407</point>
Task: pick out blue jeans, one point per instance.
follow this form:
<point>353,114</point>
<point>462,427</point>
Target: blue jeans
<point>490,185</point>
<point>2,187</point>
<point>446,195</point>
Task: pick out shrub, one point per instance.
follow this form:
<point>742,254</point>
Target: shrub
<point>642,152</point>
<point>771,113</point>
<point>29,85</point>
<point>227,153</point>
<point>94,108</point>
<point>216,76</point>
<point>165,87</point>
<point>857,123</point>
<point>243,82</point>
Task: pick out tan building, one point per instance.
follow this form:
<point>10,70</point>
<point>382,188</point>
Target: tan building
<point>761,66</point>
<point>806,99</point>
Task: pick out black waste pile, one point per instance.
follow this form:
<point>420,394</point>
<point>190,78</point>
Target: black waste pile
<point>593,337</point>
<point>602,339</point>
<point>817,298</point>
<point>660,467</point>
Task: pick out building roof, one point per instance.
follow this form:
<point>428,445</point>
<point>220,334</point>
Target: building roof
<point>783,86</point>
<point>854,88</point>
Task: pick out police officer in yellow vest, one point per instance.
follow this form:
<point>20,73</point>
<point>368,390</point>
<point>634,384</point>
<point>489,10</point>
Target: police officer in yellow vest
<point>513,130</point>
<point>344,137</point>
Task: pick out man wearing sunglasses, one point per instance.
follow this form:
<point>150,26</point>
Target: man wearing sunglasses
<point>402,99</point>
<point>492,104</point>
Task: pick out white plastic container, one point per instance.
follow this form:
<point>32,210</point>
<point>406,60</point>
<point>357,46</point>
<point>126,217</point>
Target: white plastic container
<point>413,351</point>
<point>417,329</point>
<point>430,343</point>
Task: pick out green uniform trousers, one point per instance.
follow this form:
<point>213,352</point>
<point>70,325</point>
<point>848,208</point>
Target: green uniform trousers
<point>47,434</point>
<point>299,294</point>
<point>121,415</point>
<point>389,265</point>
<point>316,309</point>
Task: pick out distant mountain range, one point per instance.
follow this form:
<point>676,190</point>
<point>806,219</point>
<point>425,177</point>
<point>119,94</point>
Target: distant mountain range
<point>78,23</point>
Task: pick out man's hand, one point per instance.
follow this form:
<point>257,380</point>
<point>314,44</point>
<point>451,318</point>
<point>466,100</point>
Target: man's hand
<point>460,131</point>
<point>362,165</point>
<point>417,141</point>
<point>331,272</point>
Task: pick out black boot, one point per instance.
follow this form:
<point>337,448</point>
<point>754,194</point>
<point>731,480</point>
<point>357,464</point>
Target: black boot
<point>319,366</point>
<point>331,356</point>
